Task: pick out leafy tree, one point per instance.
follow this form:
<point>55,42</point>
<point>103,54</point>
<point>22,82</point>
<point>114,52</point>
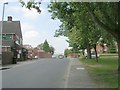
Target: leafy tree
<point>46,47</point>
<point>40,46</point>
<point>112,47</point>
<point>31,4</point>
<point>66,52</point>
<point>52,50</point>
<point>105,15</point>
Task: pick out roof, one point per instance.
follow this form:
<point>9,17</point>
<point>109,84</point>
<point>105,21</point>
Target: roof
<point>12,27</point>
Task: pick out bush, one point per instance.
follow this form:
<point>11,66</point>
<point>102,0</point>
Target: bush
<point>82,57</point>
<point>113,50</point>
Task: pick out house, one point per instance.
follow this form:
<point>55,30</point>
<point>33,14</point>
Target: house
<point>42,53</point>
<point>29,49</point>
<point>36,52</point>
<point>11,41</point>
<point>73,55</point>
<point>102,48</point>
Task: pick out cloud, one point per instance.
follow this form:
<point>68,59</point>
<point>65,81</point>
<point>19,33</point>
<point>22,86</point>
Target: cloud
<point>34,37</point>
<point>3,1</point>
<point>30,14</point>
<point>27,27</point>
<point>31,38</point>
<point>14,9</point>
<point>59,43</point>
<point>31,34</point>
<point>26,13</point>
<point>33,14</point>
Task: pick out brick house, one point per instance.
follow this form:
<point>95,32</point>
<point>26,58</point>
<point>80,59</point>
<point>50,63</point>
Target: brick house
<point>11,41</point>
<point>102,48</point>
<point>36,52</point>
<point>29,50</point>
<point>73,55</point>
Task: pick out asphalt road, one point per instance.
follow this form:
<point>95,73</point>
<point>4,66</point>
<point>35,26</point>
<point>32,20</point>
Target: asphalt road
<point>42,73</point>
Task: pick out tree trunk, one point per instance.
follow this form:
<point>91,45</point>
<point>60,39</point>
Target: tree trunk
<point>88,51</point>
<point>83,52</point>
<point>118,42</point>
<point>96,53</point>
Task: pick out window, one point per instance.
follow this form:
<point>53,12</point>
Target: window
<point>7,36</point>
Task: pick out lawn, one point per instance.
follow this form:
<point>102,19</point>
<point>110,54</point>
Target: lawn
<point>104,72</point>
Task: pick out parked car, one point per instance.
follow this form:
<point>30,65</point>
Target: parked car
<point>53,56</point>
<point>61,56</point>
<point>93,55</point>
<point>36,57</point>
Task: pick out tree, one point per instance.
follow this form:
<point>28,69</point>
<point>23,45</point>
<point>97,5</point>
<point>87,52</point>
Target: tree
<point>40,46</point>
<point>112,47</point>
<point>110,20</point>
<point>31,4</point>
<point>52,50</point>
<point>66,52</point>
<point>82,32</point>
<point>106,15</point>
<point>46,47</point>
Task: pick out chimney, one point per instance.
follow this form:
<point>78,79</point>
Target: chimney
<point>9,18</point>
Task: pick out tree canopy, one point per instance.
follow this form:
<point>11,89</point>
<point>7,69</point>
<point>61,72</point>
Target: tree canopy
<point>46,47</point>
<point>87,18</point>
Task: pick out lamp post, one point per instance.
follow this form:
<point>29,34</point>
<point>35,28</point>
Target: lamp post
<point>3,16</point>
<point>1,31</point>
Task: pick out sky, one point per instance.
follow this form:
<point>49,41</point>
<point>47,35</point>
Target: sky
<point>36,28</point>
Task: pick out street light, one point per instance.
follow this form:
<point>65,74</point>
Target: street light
<point>1,31</point>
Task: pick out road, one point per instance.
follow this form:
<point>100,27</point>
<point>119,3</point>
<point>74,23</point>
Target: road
<point>41,73</point>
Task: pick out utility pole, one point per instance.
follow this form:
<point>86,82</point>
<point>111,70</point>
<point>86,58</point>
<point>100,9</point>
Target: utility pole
<point>1,32</point>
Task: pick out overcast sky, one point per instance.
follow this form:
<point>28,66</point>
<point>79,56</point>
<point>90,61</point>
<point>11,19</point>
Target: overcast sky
<point>35,27</point>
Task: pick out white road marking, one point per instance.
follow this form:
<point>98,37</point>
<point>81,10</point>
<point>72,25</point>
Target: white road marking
<point>80,68</point>
<point>67,76</point>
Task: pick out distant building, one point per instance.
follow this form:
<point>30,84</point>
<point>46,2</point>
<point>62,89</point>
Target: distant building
<point>29,49</point>
<point>11,41</point>
<point>73,55</point>
<point>102,49</point>
<point>36,52</point>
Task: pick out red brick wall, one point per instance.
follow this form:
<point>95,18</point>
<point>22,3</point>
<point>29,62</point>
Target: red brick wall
<point>73,55</point>
<point>44,55</point>
<point>7,58</point>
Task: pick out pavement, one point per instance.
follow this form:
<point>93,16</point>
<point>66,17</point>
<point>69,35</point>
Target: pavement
<point>19,63</point>
<point>76,75</point>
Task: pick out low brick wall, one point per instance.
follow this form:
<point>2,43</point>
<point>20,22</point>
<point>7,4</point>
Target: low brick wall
<point>7,58</point>
<point>44,55</point>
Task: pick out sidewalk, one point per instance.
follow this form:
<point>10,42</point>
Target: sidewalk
<point>19,63</point>
<point>78,76</point>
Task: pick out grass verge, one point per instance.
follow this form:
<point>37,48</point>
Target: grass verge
<point>104,72</point>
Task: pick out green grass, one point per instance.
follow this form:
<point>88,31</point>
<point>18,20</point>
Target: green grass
<point>104,72</point>
<point>109,54</point>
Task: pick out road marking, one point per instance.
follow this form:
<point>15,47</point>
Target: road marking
<point>68,72</point>
<point>78,68</point>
